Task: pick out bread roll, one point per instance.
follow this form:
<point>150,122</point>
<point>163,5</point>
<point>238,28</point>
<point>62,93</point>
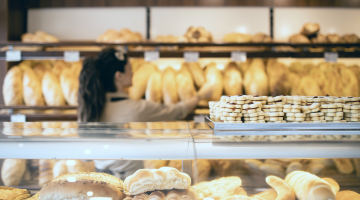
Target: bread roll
<point>154,164</point>
<point>309,187</point>
<point>78,186</point>
<point>347,195</point>
<point>185,84</point>
<point>261,37</point>
<point>310,29</point>
<point>214,77</point>
<point>350,38</point>
<point>299,38</point>
<point>232,80</point>
<point>334,185</point>
<point>45,171</point>
<point>60,168</point>
<point>170,92</point>
<point>165,178</point>
<point>278,78</point>
<point>308,87</point>
<point>333,38</point>
<point>283,190</point>
<point>13,87</point>
<point>51,90</point>
<point>321,38</point>
<point>269,194</point>
<point>255,79</point>
<point>139,81</point>
<point>12,171</point>
<point>154,87</point>
<point>32,89</point>
<point>69,86</point>
<point>344,165</point>
<point>59,66</point>
<point>253,164</point>
<point>197,73</point>
<point>143,196</point>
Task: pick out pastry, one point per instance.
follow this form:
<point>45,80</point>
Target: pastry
<point>154,87</point>
<point>157,195</point>
<point>347,195</point>
<point>60,168</point>
<point>333,38</point>
<point>283,190</point>
<point>51,90</point>
<point>299,38</point>
<point>334,185</point>
<point>165,178</point>
<point>14,193</point>
<point>272,169</point>
<point>79,185</point>
<point>269,194</point>
<point>169,90</point>
<point>237,38</point>
<point>309,187</point>
<point>13,87</point>
<point>12,171</point>
<point>232,80</point>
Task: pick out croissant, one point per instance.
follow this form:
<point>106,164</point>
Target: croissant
<point>142,196</point>
<point>173,195</point>
<point>334,185</point>
<point>189,194</point>
<point>157,195</point>
<point>283,190</point>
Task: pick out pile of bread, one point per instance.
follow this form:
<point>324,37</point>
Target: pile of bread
<point>15,171</point>
<point>310,33</point>
<point>124,35</point>
<point>37,83</point>
<point>247,38</point>
<point>38,37</point>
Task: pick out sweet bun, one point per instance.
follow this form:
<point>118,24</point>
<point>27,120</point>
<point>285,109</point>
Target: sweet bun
<point>165,178</point>
<point>77,186</point>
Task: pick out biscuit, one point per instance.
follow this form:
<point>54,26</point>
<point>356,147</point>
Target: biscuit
<point>339,114</point>
<point>230,118</point>
<point>290,114</point>
<point>355,115</point>
<point>253,118</point>
<point>286,110</point>
<point>223,98</point>
<point>228,110</point>
<point>297,102</point>
<point>314,118</point>
<point>253,122</point>
<point>222,118</point>
<point>354,111</point>
<point>355,107</point>
<point>273,119</point>
<point>261,121</point>
<point>324,106</point>
<point>239,122</point>
<point>290,119</point>
<point>329,118</point>
<point>240,102</point>
<point>348,107</point>
<point>330,115</point>
<point>314,105</point>
<point>346,110</point>
<point>258,109</point>
<point>354,119</point>
<point>232,115</point>
<point>232,122</point>
<point>240,98</point>
<point>321,114</point>
<point>237,110</point>
<point>295,110</point>
<point>273,109</point>
<point>261,117</point>
<point>322,118</point>
<point>254,105</point>
<point>339,109</point>
<point>261,113</point>
<point>266,110</point>
<point>253,115</point>
<point>315,110</point>
<point>251,111</point>
<point>287,106</point>
<point>302,115</point>
<point>257,98</point>
<point>299,119</point>
<point>226,114</point>
<point>270,99</point>
<point>337,118</point>
<point>233,98</point>
<point>273,114</point>
<point>331,110</point>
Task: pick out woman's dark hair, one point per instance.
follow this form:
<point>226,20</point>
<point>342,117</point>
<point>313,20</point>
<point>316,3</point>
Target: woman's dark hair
<point>96,78</point>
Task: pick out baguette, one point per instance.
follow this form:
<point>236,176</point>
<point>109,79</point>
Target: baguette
<point>169,90</point>
<point>185,84</point>
<point>271,169</point>
<point>214,77</point>
<point>52,90</point>
<point>232,80</point>
<point>69,86</point>
<point>32,89</point>
<point>13,87</point>
<point>197,73</point>
<point>269,194</point>
<point>45,171</point>
<point>59,66</point>
<point>344,165</point>
<point>140,79</point>
<point>356,162</point>
<point>60,168</point>
<point>12,171</point>
<point>255,79</point>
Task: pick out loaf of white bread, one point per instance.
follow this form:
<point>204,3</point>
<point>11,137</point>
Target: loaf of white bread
<point>12,171</point>
<point>13,87</point>
<point>165,178</point>
<point>309,187</point>
<point>140,79</point>
<point>69,83</point>
<point>154,87</point>
<point>185,83</point>
<point>51,90</point>
<point>38,37</point>
<point>78,186</point>
<point>255,79</point>
<point>32,89</point>
<point>232,80</point>
<point>169,87</point>
<point>213,76</point>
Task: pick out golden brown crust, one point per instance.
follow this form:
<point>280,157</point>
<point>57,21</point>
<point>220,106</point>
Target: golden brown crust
<point>13,87</point>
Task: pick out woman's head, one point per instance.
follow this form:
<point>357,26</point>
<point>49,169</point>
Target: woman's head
<point>109,72</point>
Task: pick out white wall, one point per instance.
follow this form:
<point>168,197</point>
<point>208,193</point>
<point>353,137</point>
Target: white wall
<point>288,21</point>
<point>219,21</point>
<point>85,23</point>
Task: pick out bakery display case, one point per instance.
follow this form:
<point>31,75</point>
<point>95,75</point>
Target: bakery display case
<point>39,152</point>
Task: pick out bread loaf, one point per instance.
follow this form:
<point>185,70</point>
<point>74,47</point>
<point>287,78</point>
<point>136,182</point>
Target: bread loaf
<point>154,164</point>
<point>40,69</point>
<point>12,171</point>
<point>154,87</point>
<point>344,165</point>
<point>261,37</point>
<point>255,79</point>
<point>51,90</point>
<point>278,78</point>
<point>165,178</point>
<point>204,169</point>
<point>13,87</point>
<point>315,169</point>
<point>321,38</point>
<point>219,188</point>
<point>214,77</point>
<point>269,194</point>
<point>299,38</point>
<point>170,92</point>
<point>45,171</point>
<point>283,190</point>
<point>350,83</point>
<point>333,38</point>
<point>356,162</point>
<point>140,79</point>
<point>78,186</point>
<point>237,37</point>
<point>185,84</point>
<point>69,86</point>
<point>197,73</point>
<point>310,29</point>
<point>309,187</point>
<point>32,89</point>
<point>232,80</point>
<point>60,168</point>
<point>76,67</point>
<point>59,66</point>
<point>347,195</point>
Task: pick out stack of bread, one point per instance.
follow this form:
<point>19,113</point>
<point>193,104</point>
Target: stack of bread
<point>36,83</point>
<point>124,35</point>
<point>38,37</point>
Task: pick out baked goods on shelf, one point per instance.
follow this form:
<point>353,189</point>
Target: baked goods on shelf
<point>154,87</point>
<point>255,79</point>
<point>165,178</point>
<point>12,171</point>
<point>10,193</point>
<point>346,194</point>
<point>237,38</point>
<point>198,34</point>
<point>124,35</point>
<point>170,39</point>
<point>213,76</point>
<point>140,79</point>
<point>261,38</point>
<point>169,90</point>
<point>309,29</point>
<point>38,37</point>
<point>51,90</point>
<point>13,87</point>
<point>78,185</point>
<point>232,80</point>
<point>32,89</point>
<point>185,83</point>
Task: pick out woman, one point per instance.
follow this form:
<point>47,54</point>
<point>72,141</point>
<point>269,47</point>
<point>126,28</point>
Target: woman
<point>102,99</point>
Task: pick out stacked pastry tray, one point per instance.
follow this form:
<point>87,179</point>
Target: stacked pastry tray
<point>349,128</point>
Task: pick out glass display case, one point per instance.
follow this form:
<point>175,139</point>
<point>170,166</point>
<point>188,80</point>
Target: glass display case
<point>205,151</point>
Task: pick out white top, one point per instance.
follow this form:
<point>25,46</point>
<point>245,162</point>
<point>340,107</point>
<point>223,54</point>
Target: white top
<point>128,110</point>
